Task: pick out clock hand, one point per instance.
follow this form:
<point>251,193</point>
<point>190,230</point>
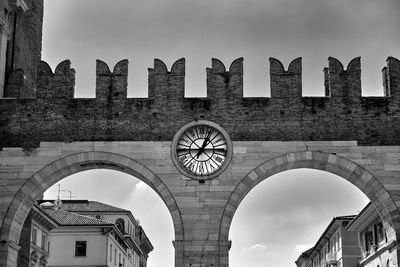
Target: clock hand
<point>201,149</point>
<point>203,146</point>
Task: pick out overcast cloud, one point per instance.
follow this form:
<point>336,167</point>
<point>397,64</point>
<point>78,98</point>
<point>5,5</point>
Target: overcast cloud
<point>140,31</point>
<point>283,216</point>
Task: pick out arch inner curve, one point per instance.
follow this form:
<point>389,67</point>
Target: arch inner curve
<point>371,186</point>
<point>57,170</point>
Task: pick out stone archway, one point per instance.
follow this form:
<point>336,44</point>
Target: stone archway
<point>63,167</point>
<point>371,186</point>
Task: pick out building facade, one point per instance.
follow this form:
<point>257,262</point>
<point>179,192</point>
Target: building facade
<point>376,249</point>
<point>93,233</point>
<point>35,244</point>
<point>82,233</point>
<point>337,246</point>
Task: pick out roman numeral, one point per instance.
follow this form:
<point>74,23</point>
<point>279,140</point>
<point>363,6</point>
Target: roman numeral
<point>202,130</point>
<point>219,159</point>
<point>192,133</point>
<point>201,168</point>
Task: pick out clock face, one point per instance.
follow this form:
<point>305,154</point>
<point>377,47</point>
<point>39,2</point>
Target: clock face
<point>201,150</point>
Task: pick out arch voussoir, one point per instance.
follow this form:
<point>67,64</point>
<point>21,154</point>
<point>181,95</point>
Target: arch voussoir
<point>345,168</point>
<point>24,199</point>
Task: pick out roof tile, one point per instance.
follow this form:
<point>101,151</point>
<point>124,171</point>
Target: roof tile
<point>66,218</point>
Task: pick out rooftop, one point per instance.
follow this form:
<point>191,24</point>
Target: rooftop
<point>66,218</point>
<point>86,206</point>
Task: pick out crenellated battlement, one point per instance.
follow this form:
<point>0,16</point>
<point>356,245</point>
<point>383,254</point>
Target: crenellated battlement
<point>60,84</point>
<point>343,114</point>
<point>111,85</point>
<point>164,84</point>
<point>391,77</point>
<point>285,83</point>
<point>167,85</point>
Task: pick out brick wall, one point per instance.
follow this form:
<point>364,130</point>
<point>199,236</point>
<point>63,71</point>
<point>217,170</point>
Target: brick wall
<point>26,51</point>
<point>342,115</point>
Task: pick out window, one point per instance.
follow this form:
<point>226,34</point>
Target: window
<point>123,262</point>
<point>120,223</point>
<point>380,232</point>
<point>34,235</point>
<point>44,239</point>
<point>80,248</point>
<point>368,237</point>
<point>115,256</point>
<point>110,252</point>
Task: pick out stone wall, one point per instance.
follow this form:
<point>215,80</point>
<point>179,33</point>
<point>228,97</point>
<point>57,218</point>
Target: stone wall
<point>201,212</point>
<point>24,51</point>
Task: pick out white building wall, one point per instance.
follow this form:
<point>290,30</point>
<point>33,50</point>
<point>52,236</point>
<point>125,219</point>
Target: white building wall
<point>115,252</point>
<point>136,260</point>
<point>62,248</point>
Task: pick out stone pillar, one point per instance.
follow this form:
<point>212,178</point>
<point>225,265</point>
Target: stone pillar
<point>179,253</point>
<point>9,254</point>
<point>6,7</point>
<point>202,253</point>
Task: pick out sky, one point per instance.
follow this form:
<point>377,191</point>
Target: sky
<point>265,229</point>
<point>280,218</point>
<point>198,30</point>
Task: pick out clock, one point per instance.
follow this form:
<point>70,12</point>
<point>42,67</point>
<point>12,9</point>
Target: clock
<point>201,150</point>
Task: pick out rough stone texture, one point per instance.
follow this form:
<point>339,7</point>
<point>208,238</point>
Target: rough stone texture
<point>46,135</point>
<point>55,115</point>
<point>28,45</point>
<point>201,212</point>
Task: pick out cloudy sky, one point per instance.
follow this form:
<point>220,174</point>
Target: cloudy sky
<point>199,30</point>
<point>280,218</point>
<point>266,229</point>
